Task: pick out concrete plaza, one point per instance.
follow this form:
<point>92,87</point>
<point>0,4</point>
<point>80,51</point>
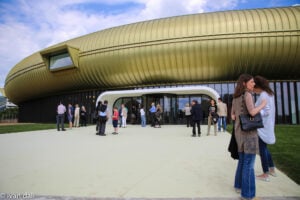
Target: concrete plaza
<point>138,163</point>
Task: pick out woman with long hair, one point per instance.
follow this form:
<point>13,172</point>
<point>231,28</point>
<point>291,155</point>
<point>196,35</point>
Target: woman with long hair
<point>212,112</point>
<point>158,116</point>
<point>247,141</point>
<point>266,135</point>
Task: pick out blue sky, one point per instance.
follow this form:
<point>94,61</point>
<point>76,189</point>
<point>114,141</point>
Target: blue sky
<point>27,26</point>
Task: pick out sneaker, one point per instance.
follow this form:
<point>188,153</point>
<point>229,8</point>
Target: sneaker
<point>263,177</point>
<point>272,173</point>
<point>238,190</point>
<point>243,198</point>
<point>255,198</point>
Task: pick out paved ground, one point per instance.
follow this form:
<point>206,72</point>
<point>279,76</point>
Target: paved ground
<point>139,163</point>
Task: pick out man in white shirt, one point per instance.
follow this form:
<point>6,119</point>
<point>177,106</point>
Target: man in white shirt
<point>60,118</point>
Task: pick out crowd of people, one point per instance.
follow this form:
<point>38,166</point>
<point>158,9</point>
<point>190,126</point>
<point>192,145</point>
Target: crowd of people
<point>77,116</point>
<point>217,116</point>
<point>249,143</point>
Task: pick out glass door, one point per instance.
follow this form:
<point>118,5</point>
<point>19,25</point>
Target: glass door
<point>149,99</point>
<point>169,105</point>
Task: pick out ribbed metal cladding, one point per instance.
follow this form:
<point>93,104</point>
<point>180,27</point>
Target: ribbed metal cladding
<point>199,48</point>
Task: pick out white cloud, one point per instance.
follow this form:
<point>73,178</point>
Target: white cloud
<point>30,26</point>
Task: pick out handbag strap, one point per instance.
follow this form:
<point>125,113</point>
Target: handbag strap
<point>244,109</point>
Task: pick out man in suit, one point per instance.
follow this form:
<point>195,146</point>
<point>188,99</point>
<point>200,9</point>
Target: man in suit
<point>197,117</point>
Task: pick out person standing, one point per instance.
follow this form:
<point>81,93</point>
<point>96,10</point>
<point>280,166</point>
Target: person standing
<point>247,141</point>
<point>197,117</point>
<point>222,112</point>
<point>115,120</point>
<point>143,116</point>
<point>187,113</point>
<point>103,117</point>
<point>266,134</point>
<point>120,116</point>
<point>212,116</point>
<point>60,118</point>
<point>76,116</point>
<point>70,115</point>
<point>82,116</point>
<point>152,111</point>
<point>158,116</point>
<point>96,116</point>
<point>124,116</point>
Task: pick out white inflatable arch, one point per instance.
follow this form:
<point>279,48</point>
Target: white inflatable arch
<point>112,96</point>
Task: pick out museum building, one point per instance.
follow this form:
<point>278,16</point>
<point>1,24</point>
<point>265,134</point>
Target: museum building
<point>169,61</point>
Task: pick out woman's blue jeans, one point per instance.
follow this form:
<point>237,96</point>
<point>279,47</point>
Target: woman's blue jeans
<point>265,156</point>
<point>244,176</point>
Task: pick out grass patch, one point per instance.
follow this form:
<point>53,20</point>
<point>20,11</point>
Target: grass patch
<point>286,150</point>
<point>25,127</point>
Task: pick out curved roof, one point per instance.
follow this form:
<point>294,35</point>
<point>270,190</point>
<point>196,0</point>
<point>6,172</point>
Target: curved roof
<point>189,49</point>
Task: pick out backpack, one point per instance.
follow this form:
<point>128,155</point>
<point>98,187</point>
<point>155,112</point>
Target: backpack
<point>102,113</point>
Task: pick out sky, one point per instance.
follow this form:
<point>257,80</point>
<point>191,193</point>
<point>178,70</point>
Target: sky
<point>28,26</point>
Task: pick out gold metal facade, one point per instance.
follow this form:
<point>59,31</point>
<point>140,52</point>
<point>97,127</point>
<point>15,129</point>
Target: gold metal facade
<point>199,48</point>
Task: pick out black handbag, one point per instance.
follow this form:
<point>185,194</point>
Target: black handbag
<point>249,122</point>
<point>233,147</point>
<point>215,117</point>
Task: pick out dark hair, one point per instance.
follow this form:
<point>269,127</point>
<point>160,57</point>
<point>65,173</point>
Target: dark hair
<point>263,83</point>
<point>240,87</point>
<point>195,101</point>
<point>98,105</point>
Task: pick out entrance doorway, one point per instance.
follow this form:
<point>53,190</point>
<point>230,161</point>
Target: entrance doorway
<point>172,106</point>
<point>168,103</point>
<point>172,101</point>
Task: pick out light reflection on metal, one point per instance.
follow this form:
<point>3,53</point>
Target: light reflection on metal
<point>191,49</point>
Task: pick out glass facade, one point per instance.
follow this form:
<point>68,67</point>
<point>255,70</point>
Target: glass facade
<point>286,100</point>
<point>297,89</point>
<point>44,110</point>
<point>172,106</point>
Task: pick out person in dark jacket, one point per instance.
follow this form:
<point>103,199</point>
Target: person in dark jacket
<point>197,117</point>
<point>96,116</point>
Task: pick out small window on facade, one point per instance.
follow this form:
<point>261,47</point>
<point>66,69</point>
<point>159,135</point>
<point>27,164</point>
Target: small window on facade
<point>59,61</point>
<point>60,58</point>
